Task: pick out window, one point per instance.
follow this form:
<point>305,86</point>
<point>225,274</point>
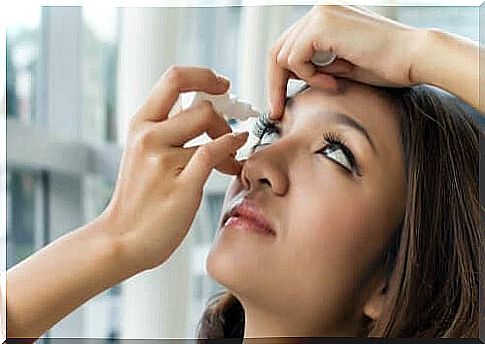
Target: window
<point>22,54</point>
<point>74,77</point>
<point>61,108</point>
<point>24,206</point>
<point>460,20</point>
<point>99,71</point>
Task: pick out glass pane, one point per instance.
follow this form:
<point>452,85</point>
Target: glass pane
<point>98,70</point>
<point>459,20</point>
<point>214,209</point>
<point>22,56</point>
<point>24,235</point>
<point>212,37</point>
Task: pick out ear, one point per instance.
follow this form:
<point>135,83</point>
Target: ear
<point>375,303</point>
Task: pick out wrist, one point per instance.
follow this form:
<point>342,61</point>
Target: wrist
<point>113,245</point>
<point>422,41</point>
<point>448,61</point>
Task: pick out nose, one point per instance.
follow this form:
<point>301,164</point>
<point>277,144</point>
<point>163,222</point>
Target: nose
<point>266,168</point>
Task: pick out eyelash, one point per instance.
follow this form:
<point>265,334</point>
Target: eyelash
<point>263,127</point>
<point>333,138</point>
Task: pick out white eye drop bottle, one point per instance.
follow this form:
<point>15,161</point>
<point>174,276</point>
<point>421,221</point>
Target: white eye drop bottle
<point>229,107</point>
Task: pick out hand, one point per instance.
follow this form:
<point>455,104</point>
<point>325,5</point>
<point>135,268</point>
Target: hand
<point>160,183</point>
<point>371,49</point>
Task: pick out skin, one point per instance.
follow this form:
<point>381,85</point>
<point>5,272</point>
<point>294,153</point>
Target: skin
<point>384,53</point>
<point>119,245</point>
<point>317,277</point>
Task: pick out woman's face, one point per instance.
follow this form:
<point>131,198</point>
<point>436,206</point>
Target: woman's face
<point>331,224</point>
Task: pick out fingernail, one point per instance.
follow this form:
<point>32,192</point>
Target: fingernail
<point>241,135</point>
<point>222,79</point>
<point>272,111</point>
<point>271,114</point>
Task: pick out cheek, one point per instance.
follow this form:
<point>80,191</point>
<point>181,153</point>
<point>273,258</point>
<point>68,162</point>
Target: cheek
<point>335,230</point>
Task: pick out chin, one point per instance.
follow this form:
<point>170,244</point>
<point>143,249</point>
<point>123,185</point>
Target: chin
<point>247,282</point>
<point>236,265</point>
<point>222,265</point>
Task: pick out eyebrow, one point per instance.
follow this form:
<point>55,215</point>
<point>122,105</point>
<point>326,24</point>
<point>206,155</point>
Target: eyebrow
<point>341,118</point>
<point>347,120</point>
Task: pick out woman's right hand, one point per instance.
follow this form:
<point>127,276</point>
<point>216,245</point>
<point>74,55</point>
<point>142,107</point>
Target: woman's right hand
<point>370,48</point>
<point>160,183</point>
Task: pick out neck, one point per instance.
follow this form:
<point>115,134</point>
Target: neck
<point>263,327</point>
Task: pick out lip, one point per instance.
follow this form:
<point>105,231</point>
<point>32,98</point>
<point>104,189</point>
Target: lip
<point>246,213</point>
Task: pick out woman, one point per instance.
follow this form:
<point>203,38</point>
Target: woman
<point>367,162</point>
<point>376,233</point>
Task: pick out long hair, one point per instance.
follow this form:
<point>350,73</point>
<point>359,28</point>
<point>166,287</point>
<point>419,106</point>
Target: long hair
<point>433,258</point>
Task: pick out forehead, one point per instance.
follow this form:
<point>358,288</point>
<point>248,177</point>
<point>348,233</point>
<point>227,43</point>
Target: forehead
<point>366,104</point>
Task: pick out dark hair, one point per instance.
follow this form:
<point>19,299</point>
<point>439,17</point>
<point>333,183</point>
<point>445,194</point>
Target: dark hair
<point>433,258</point>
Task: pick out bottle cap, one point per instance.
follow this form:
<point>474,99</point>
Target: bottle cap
<point>323,58</point>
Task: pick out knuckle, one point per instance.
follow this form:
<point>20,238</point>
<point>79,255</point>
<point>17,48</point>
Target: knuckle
<point>281,59</point>
<point>206,106</point>
<point>174,74</point>
<point>292,60</point>
<point>206,110</point>
<point>178,169</point>
<point>206,154</point>
<point>145,139</point>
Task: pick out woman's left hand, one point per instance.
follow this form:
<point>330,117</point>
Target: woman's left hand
<point>370,47</point>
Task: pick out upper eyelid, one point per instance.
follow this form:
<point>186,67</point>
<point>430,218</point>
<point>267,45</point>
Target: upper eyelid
<point>274,128</point>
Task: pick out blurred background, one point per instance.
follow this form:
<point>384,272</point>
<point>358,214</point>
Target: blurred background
<point>74,77</point>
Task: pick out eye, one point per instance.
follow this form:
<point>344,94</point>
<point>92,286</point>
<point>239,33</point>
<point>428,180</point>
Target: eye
<point>268,138</point>
<point>338,152</point>
<point>266,133</point>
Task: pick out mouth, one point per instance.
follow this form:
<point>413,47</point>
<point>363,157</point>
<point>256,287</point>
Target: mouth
<point>247,215</point>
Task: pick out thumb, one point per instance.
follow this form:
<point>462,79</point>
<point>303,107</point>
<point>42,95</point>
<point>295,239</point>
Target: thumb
<point>207,156</point>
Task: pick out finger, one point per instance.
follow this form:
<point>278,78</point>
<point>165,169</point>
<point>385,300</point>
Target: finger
<point>323,81</point>
<point>279,95</point>
<point>339,66</point>
<point>182,156</point>
<point>175,80</point>
<point>290,39</point>
<point>283,38</point>
<point>343,4</point>
<point>277,90</point>
<point>230,166</point>
<point>299,58</point>
<point>191,123</point>
<point>210,155</point>
<point>277,78</point>
<point>292,75</point>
